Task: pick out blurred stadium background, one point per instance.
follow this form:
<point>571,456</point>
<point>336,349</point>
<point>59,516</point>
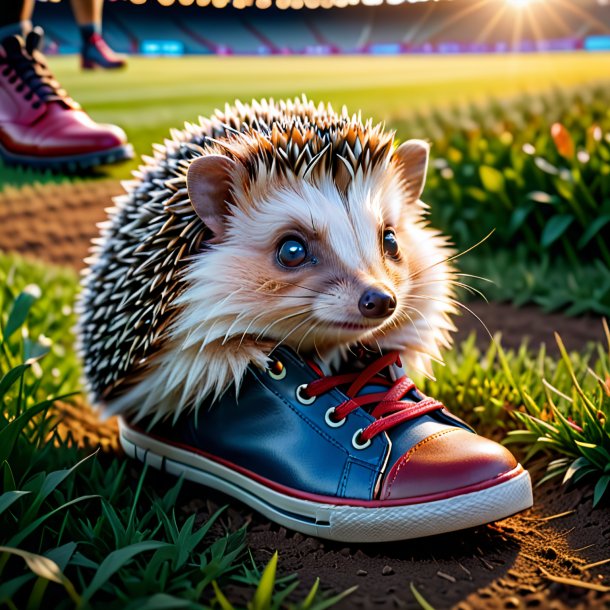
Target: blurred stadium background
<point>388,59</point>
<point>189,27</point>
<point>514,96</point>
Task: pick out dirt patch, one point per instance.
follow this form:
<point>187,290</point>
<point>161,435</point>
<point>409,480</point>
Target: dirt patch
<point>507,565</point>
<point>54,222</point>
<point>529,322</point>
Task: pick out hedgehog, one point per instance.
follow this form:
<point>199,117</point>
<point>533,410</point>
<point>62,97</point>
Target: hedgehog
<point>260,226</point>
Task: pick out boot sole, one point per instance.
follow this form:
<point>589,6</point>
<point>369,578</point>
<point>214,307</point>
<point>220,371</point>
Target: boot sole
<point>71,163</point>
<point>94,65</point>
<point>360,521</point>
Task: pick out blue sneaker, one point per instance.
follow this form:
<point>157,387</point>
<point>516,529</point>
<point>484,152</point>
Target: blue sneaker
<point>356,456</point>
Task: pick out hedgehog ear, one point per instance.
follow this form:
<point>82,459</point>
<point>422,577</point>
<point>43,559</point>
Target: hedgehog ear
<point>208,181</point>
<point>412,160</point>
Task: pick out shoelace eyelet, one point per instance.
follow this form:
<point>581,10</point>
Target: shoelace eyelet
<point>333,423</point>
<point>277,370</point>
<point>356,444</point>
<point>304,400</point>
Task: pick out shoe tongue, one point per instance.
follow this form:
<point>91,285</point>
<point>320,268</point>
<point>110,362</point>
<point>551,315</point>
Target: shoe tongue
<point>359,359</point>
<point>356,359</point>
<point>13,45</point>
<point>33,41</point>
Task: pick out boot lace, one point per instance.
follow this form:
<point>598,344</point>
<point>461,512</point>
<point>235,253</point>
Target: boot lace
<point>34,75</point>
<point>390,409</point>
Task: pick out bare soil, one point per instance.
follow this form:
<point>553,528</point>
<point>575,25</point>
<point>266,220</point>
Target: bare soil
<point>544,558</point>
<point>530,323</point>
<point>54,222</point>
<point>512,564</point>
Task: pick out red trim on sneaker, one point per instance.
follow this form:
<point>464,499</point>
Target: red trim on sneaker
<point>333,500</point>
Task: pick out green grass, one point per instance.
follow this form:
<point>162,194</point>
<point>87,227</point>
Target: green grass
<point>81,531</point>
<point>153,95</point>
<point>572,422</point>
<point>512,276</point>
<point>537,169</point>
<point>78,530</point>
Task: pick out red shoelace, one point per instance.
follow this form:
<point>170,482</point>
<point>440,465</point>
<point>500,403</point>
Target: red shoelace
<point>390,410</point>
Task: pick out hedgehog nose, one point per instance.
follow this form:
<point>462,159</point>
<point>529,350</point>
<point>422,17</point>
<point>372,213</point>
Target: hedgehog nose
<point>376,303</point>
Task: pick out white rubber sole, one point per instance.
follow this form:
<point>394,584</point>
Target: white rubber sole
<point>336,522</point>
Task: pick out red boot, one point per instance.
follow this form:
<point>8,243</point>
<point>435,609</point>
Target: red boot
<point>40,125</point>
<point>97,54</point>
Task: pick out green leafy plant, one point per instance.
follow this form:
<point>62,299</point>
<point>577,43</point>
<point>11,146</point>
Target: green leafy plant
<point>536,169</point>
<point>487,388</point>
<point>573,422</point>
<point>266,597</point>
<point>551,283</point>
<point>81,531</point>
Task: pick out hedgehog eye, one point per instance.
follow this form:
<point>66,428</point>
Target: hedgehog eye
<point>390,244</point>
<point>291,253</point>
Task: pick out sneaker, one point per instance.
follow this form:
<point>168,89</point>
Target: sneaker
<point>356,456</point>
<point>97,54</point>
<point>40,125</point>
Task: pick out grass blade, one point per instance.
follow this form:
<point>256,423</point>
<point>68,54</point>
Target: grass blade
<point>264,591</point>
<point>419,598</point>
<point>115,561</point>
<point>7,498</point>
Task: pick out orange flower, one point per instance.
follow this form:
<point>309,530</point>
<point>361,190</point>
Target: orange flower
<point>563,141</point>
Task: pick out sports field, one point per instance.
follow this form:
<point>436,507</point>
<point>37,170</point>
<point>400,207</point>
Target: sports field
<point>154,94</point>
<point>531,174</point>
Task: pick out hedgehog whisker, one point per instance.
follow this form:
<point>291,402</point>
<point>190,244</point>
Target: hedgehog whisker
<point>315,347</point>
<point>307,318</point>
<point>328,294</point>
<point>470,289</point>
<point>315,326</point>
<point>211,314</point>
<point>457,304</point>
<point>237,320</point>
<point>453,257</point>
<point>243,336</point>
<point>378,346</point>
<point>291,296</point>
<point>296,314</point>
<point>476,277</point>
<point>412,321</point>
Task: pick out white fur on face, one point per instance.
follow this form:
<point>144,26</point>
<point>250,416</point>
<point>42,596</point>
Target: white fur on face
<point>240,303</point>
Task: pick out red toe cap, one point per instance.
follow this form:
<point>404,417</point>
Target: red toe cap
<point>445,463</point>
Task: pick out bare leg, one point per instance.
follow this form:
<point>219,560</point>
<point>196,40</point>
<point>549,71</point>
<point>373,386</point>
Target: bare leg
<point>87,11</point>
<point>95,52</point>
